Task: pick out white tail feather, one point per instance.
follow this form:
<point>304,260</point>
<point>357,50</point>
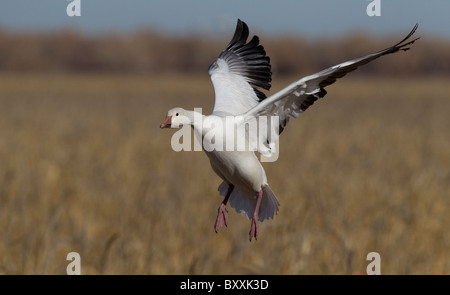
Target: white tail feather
<point>246,204</point>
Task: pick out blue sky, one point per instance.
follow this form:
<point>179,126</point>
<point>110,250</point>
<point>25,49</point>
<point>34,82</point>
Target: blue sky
<point>303,18</point>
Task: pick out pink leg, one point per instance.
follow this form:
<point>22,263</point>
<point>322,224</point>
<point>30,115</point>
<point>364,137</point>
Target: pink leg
<point>222,214</point>
<point>254,227</point>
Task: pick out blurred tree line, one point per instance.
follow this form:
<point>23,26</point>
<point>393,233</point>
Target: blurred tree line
<point>152,53</point>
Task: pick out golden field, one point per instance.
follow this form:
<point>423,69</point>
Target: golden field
<point>85,167</point>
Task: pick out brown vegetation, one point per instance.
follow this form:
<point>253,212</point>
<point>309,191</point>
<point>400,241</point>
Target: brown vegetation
<point>151,53</point>
<point>85,168</point>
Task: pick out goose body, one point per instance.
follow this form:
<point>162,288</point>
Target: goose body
<point>238,74</point>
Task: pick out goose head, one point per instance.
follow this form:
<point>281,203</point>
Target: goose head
<point>176,117</point>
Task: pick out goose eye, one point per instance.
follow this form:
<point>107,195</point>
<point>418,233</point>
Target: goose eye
<point>176,114</point>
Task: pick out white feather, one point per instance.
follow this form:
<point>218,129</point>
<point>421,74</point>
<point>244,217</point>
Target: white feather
<point>245,205</point>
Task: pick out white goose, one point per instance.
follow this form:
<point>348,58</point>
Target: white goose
<point>237,75</point>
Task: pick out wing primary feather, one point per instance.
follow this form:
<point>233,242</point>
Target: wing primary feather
<point>240,35</point>
<point>247,59</point>
<point>300,95</point>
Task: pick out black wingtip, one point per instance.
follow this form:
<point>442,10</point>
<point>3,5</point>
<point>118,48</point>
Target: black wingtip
<point>240,34</point>
<point>400,45</point>
<point>413,30</point>
<point>249,59</point>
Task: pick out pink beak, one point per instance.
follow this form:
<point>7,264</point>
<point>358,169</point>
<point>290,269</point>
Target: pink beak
<point>167,122</point>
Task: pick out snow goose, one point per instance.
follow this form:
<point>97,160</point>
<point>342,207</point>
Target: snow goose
<point>237,75</point>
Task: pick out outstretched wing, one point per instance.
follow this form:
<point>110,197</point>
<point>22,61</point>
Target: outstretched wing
<point>298,96</point>
<point>238,73</point>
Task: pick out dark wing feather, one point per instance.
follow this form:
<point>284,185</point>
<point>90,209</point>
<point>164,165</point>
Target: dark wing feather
<point>328,76</point>
<point>300,95</point>
<point>247,59</point>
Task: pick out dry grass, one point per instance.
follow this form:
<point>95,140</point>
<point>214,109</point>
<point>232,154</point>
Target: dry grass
<point>84,167</point>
